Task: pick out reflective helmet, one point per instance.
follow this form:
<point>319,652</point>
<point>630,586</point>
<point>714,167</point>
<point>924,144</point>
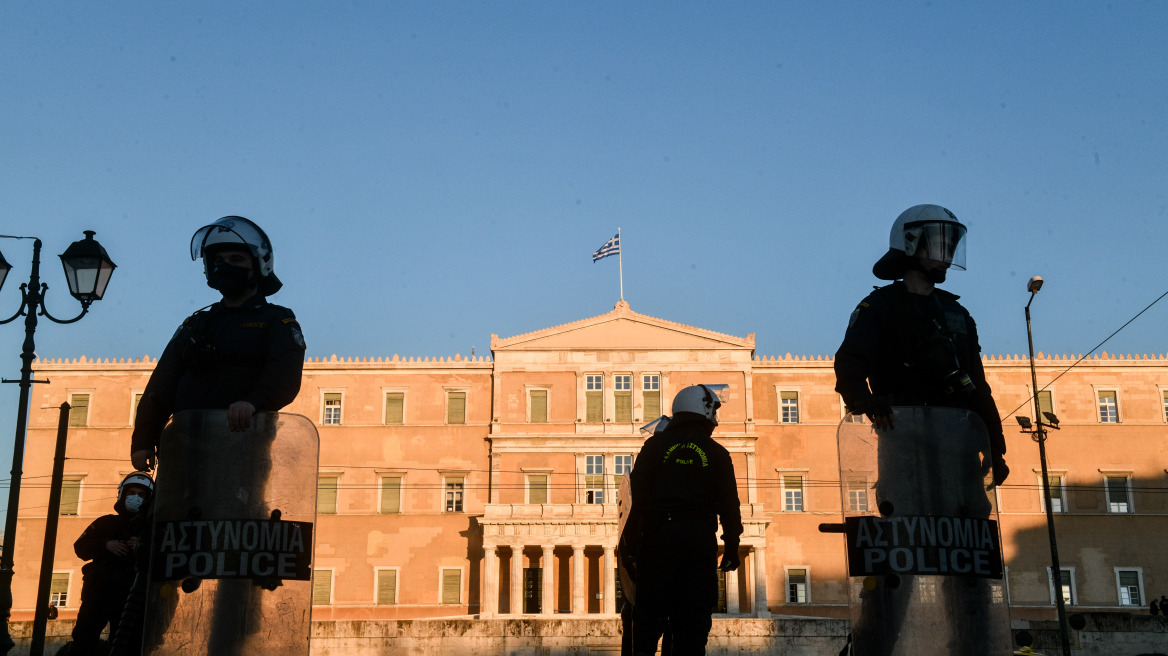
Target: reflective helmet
<point>135,478</point>
<point>240,232</point>
<point>699,399</point>
<point>923,231</point>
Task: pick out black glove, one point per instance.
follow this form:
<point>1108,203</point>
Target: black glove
<point>730,560</point>
<point>1001,471</point>
<point>878,409</point>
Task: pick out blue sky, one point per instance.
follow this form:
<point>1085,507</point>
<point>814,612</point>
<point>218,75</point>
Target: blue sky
<point>432,173</point>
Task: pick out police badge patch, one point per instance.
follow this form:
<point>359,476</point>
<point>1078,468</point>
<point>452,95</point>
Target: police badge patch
<point>298,336</point>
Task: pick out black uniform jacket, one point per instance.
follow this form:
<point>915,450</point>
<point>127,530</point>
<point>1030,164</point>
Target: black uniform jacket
<point>898,345</point>
<point>221,355</point>
<point>105,570</point>
<point>684,473</point>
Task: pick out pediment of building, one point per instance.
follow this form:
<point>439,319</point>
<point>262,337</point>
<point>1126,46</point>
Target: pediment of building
<point>622,329</point>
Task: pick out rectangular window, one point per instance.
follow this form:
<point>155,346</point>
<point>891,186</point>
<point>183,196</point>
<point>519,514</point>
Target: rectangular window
<point>622,397</point>
<point>391,487</point>
<point>1118,498</point>
<point>454,486</point>
<point>395,408</point>
<point>594,398</point>
<point>59,590</point>
<point>78,410</point>
<point>622,464</point>
<point>451,586</point>
<point>322,587</point>
<point>789,407</point>
<point>332,409</point>
<point>1045,402</point>
<point>1130,587</point>
<point>537,406</point>
<point>70,497</point>
<point>796,586</point>
<point>456,407</point>
<point>1108,407</point>
<point>134,410</point>
<point>537,488</point>
<point>1066,585</point>
<point>792,493</point>
<point>594,479</point>
<point>1164,394</point>
<point>386,587</point>
<point>651,389</point>
<point>1058,499</point>
<point>326,495</point>
<point>857,495</point>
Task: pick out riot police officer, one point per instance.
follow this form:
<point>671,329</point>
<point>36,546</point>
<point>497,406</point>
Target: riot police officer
<point>109,543</point>
<point>682,485</point>
<point>910,343</point>
<point>242,354</point>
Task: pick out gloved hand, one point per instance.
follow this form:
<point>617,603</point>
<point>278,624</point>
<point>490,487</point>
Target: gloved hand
<point>879,409</point>
<point>1001,471</point>
<point>143,459</point>
<point>730,560</point>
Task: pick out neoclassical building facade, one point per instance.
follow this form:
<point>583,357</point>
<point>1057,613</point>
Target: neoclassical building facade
<point>486,486</point>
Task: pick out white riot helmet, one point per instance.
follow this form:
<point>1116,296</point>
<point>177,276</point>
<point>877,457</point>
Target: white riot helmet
<point>923,231</point>
<point>699,399</point>
<point>136,478</point>
<point>238,231</point>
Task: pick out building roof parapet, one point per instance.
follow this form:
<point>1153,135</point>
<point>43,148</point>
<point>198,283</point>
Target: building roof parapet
<point>1007,358</point>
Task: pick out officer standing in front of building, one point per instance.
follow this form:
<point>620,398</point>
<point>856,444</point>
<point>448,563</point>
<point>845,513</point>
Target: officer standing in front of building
<point>682,486</point>
<point>242,354</point>
<point>910,343</point>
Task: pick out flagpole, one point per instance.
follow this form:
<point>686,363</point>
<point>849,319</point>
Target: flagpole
<point>621,261</point>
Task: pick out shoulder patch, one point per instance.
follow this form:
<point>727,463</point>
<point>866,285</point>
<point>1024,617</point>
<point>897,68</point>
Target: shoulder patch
<point>856,314</point>
<point>297,334</point>
<point>290,320</point>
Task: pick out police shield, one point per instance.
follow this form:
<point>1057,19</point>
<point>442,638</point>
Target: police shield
<point>231,550</point>
<point>923,546</point>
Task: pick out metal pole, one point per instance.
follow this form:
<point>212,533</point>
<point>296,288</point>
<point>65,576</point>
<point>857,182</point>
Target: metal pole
<point>32,299</point>
<point>1040,433</point>
<point>41,619</point>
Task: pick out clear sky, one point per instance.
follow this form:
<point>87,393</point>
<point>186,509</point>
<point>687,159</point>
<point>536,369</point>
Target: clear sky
<point>431,173</point>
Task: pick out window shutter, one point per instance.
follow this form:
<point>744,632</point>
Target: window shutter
<point>624,406</point>
<point>391,494</point>
<point>59,590</point>
<point>70,496</point>
<point>79,410</point>
<point>1045,402</point>
<point>322,587</point>
<point>537,489</point>
<point>451,586</point>
<point>386,587</point>
<point>395,408</point>
<point>593,409</point>
<point>456,408</point>
<point>326,495</point>
<point>652,405</point>
<point>539,406</point>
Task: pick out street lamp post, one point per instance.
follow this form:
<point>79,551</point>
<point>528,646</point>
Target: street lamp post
<point>87,270</point>
<point>1039,435</point>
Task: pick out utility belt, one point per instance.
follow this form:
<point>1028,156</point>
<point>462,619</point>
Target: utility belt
<point>682,515</point>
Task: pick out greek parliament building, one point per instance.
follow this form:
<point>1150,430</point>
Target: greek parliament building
<point>485,487</point>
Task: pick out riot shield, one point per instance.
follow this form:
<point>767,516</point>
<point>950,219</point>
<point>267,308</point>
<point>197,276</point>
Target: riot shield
<point>923,546</point>
<point>231,550</point>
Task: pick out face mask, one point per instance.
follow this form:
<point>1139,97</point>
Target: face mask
<point>229,280</point>
<point>134,503</point>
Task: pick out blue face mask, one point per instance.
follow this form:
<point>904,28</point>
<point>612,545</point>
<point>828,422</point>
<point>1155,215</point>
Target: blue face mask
<point>134,503</point>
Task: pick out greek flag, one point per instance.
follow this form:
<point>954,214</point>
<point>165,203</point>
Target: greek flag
<point>610,247</point>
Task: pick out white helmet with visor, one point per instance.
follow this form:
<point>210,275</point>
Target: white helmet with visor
<point>928,232</point>
<point>239,232</point>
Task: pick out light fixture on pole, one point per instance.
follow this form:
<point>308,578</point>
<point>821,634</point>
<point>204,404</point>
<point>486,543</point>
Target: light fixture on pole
<point>1037,432</point>
<point>87,270</point>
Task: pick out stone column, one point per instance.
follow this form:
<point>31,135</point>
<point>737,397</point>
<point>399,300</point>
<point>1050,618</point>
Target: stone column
<point>732,592</point>
<point>547,604</point>
<point>516,579</point>
<point>579,604</point>
<point>490,603</point>
<point>760,590</point>
<point>609,579</point>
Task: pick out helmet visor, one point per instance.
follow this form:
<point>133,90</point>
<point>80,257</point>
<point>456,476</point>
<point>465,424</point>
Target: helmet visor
<point>941,241</point>
<point>230,230</point>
